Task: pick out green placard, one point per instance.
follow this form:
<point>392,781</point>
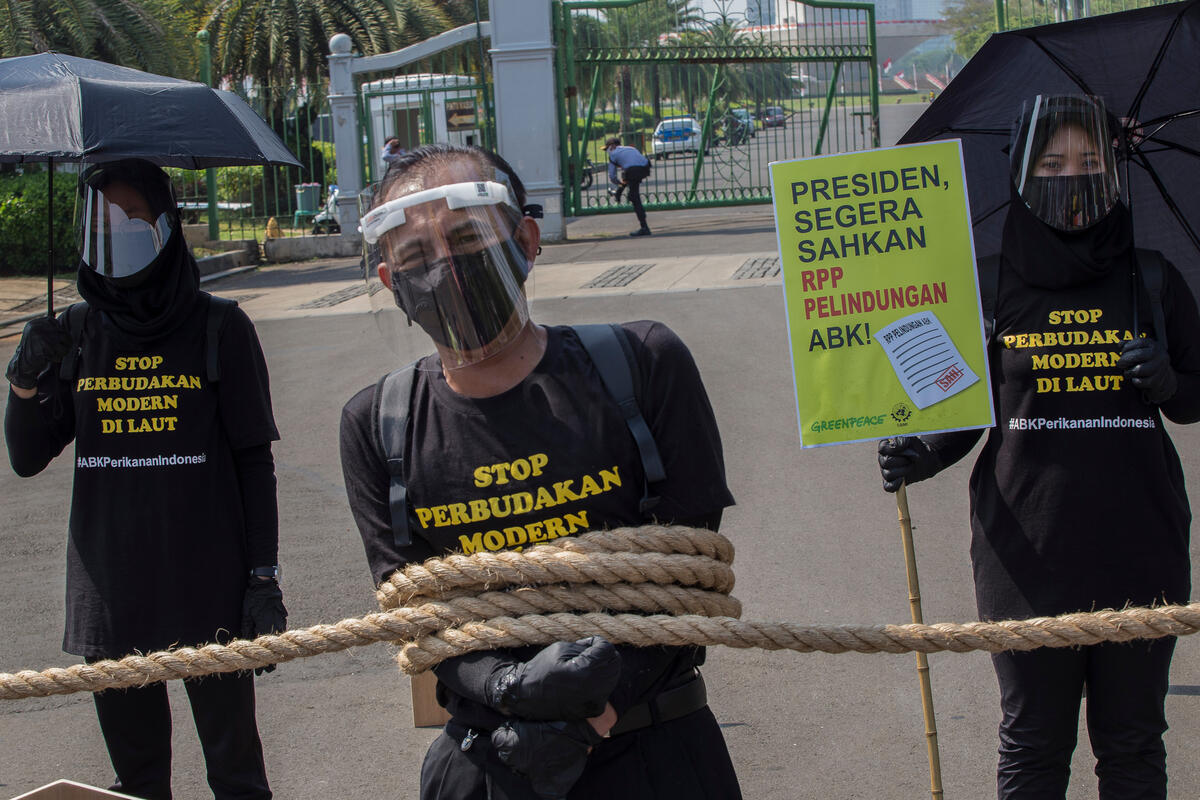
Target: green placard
<point>882,299</point>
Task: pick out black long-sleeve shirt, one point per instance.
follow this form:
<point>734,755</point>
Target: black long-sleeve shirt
<point>1078,498</point>
<point>174,492</point>
<point>550,457</point>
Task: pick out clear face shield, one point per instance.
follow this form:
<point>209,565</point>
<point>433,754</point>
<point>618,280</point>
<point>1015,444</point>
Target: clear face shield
<point>1064,162</point>
<point>448,258</point>
<point>123,218</point>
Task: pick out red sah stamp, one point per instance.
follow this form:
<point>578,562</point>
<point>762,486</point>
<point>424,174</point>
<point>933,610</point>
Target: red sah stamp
<point>949,377</point>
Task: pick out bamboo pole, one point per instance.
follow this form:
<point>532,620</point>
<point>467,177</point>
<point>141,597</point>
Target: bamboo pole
<point>914,604</point>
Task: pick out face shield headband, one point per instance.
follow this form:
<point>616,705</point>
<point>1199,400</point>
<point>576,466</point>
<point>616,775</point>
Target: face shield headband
<point>1063,161</point>
<point>391,215</point>
<point>122,222</point>
<point>454,267</point>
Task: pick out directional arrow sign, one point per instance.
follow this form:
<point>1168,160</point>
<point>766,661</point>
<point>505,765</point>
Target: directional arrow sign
<point>460,116</point>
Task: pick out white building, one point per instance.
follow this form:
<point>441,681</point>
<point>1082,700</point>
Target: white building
<point>421,109</point>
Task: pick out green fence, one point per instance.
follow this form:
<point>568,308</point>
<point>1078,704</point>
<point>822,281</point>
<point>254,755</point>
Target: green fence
<point>1011,14</point>
<point>709,97</point>
<point>445,97</point>
<point>249,198</point>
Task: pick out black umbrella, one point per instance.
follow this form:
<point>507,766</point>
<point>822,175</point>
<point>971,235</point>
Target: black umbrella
<point>1143,63</point>
<point>56,107</point>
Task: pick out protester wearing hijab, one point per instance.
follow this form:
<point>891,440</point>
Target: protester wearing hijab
<point>1077,499</point>
<point>173,532</point>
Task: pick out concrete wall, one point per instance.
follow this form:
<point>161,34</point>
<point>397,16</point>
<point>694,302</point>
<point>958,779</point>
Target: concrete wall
<point>301,248</point>
<point>210,265</point>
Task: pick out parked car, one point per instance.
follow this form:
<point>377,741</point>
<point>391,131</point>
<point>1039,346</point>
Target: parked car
<point>773,117</point>
<point>676,135</point>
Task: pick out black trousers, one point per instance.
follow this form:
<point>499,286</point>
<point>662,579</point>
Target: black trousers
<point>136,724</point>
<point>1040,692</point>
<point>633,179</point>
<point>684,759</point>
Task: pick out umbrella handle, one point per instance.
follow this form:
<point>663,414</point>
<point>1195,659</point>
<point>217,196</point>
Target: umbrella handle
<point>50,240</point>
<point>1133,274</point>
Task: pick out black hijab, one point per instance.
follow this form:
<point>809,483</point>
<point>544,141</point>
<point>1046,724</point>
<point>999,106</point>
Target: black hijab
<point>1052,259</point>
<point>155,301</point>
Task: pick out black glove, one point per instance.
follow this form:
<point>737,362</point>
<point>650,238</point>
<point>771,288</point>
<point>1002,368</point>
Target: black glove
<point>263,612</point>
<point>43,342</point>
<point>565,680</point>
<point>1148,367</point>
<point>551,754</point>
<point>906,459</point>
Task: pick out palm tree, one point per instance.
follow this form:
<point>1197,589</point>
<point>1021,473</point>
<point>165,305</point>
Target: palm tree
<point>418,20</point>
<point>283,44</point>
<point>124,32</point>
<point>276,52</point>
<point>638,29</point>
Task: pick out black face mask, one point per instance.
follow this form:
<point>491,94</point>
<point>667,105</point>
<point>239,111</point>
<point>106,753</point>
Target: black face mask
<point>463,301</point>
<point>1068,203</point>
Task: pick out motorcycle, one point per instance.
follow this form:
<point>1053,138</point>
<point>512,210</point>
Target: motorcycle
<point>326,220</point>
<point>586,178</point>
<point>736,131</point>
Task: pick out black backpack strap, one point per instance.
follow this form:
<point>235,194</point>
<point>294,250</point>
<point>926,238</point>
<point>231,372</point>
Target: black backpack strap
<point>76,316</point>
<point>614,360</point>
<point>390,413</point>
<point>218,309</point>
<point>1154,278</point>
<point>988,271</point>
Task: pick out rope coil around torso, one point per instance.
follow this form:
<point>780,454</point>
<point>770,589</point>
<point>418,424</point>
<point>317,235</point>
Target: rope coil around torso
<point>651,585</point>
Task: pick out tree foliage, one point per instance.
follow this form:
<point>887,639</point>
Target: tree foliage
<point>125,32</point>
<point>969,23</point>
<point>24,209</point>
<point>281,42</point>
<point>640,25</point>
<point>418,20</point>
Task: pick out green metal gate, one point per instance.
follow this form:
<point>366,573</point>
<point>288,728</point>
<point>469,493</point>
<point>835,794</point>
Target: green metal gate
<point>429,94</point>
<point>710,98</point>
<point>1013,14</point>
<point>422,108</point>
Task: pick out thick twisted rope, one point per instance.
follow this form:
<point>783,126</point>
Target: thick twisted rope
<point>652,553</point>
<point>455,605</point>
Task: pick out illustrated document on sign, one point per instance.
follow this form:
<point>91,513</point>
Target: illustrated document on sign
<point>929,366</point>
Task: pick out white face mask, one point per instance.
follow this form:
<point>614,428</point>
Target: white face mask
<point>123,227</point>
<point>135,243</point>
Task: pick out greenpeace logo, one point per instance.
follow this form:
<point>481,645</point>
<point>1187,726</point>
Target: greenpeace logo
<point>846,423</point>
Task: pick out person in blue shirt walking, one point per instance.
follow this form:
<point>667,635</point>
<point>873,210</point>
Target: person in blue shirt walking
<point>634,168</point>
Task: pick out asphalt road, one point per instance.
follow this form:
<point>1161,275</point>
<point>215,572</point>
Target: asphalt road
<point>729,169</point>
<point>817,542</point>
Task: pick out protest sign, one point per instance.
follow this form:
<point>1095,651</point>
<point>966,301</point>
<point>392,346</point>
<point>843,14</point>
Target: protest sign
<point>882,299</point>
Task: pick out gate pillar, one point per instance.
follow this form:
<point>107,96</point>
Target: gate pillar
<point>343,105</point>
<point>526,113</point>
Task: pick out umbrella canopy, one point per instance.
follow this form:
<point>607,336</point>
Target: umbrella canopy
<point>65,108</point>
<point>1142,63</point>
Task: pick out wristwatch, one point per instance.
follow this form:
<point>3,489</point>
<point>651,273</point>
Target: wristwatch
<point>271,572</point>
